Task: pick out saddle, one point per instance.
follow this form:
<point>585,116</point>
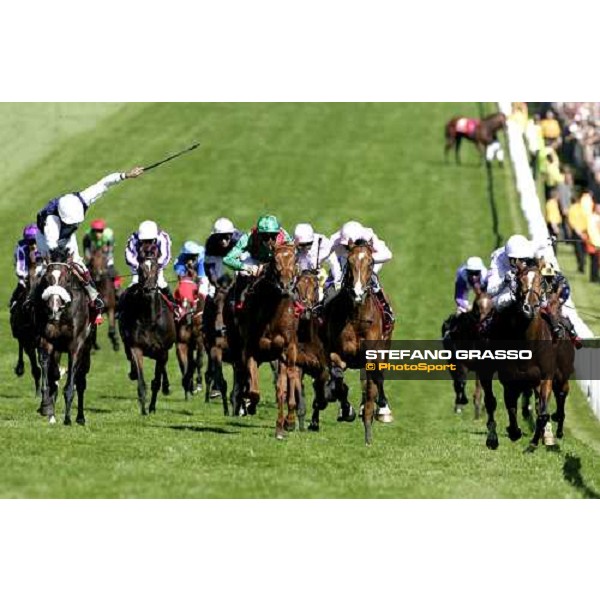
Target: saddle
<point>467,126</point>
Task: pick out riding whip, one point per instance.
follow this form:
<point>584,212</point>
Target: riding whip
<point>171,157</point>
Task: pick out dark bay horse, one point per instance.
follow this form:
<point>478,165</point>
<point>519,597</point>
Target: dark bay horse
<point>147,328</point>
<point>22,322</point>
<point>190,344</point>
<point>99,271</point>
<point>464,327</point>
<point>268,327</point>
<point>523,322</point>
<point>351,316</point>
<point>216,342</point>
<point>62,318</point>
<point>481,132</point>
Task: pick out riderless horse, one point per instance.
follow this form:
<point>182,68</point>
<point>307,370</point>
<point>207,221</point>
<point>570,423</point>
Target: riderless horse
<point>147,328</point>
<point>63,325</point>
<point>481,132</point>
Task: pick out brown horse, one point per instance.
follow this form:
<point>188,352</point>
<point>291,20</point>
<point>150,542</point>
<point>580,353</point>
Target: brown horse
<point>352,316</point>
<point>465,326</point>
<point>22,322</point>
<point>481,132</point>
<point>216,343</point>
<point>268,327</point>
<point>147,328</point>
<point>190,343</point>
<point>102,277</point>
<point>63,325</point>
<point>523,322</point>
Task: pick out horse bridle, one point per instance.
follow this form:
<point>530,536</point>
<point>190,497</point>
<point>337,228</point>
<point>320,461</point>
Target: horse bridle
<point>529,309</point>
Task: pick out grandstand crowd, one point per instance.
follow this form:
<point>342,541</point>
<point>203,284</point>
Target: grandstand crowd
<point>563,142</point>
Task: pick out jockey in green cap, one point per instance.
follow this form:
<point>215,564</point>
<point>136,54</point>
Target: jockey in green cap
<point>253,250</point>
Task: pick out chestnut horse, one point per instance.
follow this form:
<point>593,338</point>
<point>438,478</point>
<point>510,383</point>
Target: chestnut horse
<point>62,319</point>
<point>147,328</point>
<point>105,284</point>
<point>22,322</point>
<point>523,322</point>
<point>481,132</point>
<point>268,327</point>
<point>353,315</point>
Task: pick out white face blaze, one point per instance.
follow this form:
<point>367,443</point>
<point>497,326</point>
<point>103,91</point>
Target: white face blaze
<point>56,276</point>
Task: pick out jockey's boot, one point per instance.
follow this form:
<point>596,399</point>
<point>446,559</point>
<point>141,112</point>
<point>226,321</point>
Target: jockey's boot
<point>93,294</point>
<point>14,299</point>
<point>570,328</point>
<point>239,288</point>
<point>388,314</point>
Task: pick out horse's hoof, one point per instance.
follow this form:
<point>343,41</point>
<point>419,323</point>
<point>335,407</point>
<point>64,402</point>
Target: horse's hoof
<point>279,435</point>
<point>151,409</point>
<point>514,434</point>
<point>52,420</point>
<point>457,410</point>
<point>67,421</point>
<point>19,370</point>
<point>289,426</point>
<point>143,412</point>
<point>530,449</point>
<point>166,391</point>
<point>346,416</point>
<point>559,434</point>
<point>133,375</point>
<point>492,443</point>
<point>214,394</point>
<point>80,421</point>
<point>313,427</point>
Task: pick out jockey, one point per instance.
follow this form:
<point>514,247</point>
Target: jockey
<point>190,265</point>
<point>501,281</point>
<point>252,251</point>
<point>223,237</point>
<point>343,240</point>
<point>22,259</point>
<point>59,219</point>
<point>99,236</point>
<point>313,249</point>
<point>147,236</point>
<point>470,275</point>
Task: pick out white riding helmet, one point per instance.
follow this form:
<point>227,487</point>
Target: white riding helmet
<point>148,230</point>
<point>351,231</point>
<point>304,234</point>
<point>70,209</point>
<point>474,263</point>
<point>518,246</point>
<point>223,225</point>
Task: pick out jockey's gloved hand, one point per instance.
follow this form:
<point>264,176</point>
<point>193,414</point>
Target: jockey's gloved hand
<point>337,286</point>
<point>253,270</point>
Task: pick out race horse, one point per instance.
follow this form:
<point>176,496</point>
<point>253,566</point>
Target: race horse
<point>523,323</point>
<point>22,322</point>
<point>481,132</point>
<point>105,284</point>
<point>147,328</point>
<point>268,326</point>
<point>190,345</point>
<point>216,342</point>
<point>465,326</point>
<point>354,315</point>
<point>63,324</point>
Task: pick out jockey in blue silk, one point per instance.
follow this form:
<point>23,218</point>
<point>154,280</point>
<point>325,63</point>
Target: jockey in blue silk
<point>23,253</point>
<point>190,265</point>
<point>60,218</point>
<point>469,276</point>
<point>222,239</point>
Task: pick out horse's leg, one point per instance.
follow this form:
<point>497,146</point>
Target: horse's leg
<point>69,390</point>
<point>490,408</point>
<point>383,412</point>
<point>166,385</point>
<point>512,391</point>
<point>281,392</point>
<point>542,393</point>
<point>448,147</point>
<point>112,330</point>
<point>253,392</point>
<point>155,383</point>
<point>300,400</point>
<point>477,398</point>
<point>291,395</point>
<point>340,392</point>
<point>221,384</point>
<point>459,384</point>
<point>133,371</point>
<point>94,335</point>
<point>209,377</point>
<point>20,366</point>
<point>369,408</point>
<point>36,372</point>
<point>561,391</point>
<point>81,384</point>
<point>137,362</point>
<point>457,149</point>
<point>47,405</point>
<point>182,359</point>
<point>199,363</point>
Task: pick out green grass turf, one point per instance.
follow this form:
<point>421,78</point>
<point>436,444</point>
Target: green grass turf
<point>324,163</point>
